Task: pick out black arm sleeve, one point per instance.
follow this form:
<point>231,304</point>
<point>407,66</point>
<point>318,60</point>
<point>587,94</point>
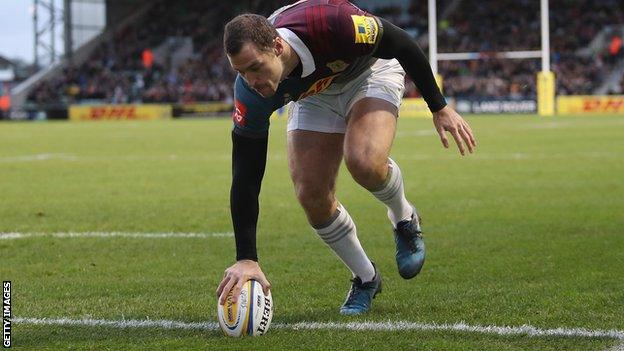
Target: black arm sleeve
<point>396,43</point>
<point>248,163</point>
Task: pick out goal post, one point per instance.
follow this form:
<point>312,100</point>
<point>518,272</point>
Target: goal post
<point>545,79</point>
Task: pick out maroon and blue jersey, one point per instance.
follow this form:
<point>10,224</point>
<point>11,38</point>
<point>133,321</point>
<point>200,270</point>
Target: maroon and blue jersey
<point>334,40</point>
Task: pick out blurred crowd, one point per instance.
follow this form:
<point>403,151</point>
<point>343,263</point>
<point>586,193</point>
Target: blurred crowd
<point>515,26</point>
<point>123,69</point>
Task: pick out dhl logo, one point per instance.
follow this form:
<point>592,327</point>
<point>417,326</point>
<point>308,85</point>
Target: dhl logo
<point>113,112</point>
<point>604,105</point>
<point>119,112</point>
<point>318,86</point>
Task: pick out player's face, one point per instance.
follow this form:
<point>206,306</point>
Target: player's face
<point>262,70</point>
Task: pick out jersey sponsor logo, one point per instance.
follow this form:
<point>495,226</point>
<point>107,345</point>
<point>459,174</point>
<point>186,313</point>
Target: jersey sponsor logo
<point>337,66</point>
<point>318,86</point>
<point>366,29</point>
<point>240,111</point>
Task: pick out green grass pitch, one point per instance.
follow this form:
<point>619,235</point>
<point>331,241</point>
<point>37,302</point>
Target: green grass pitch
<point>529,230</point>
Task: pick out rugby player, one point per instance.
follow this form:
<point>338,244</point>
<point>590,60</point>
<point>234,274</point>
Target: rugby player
<point>345,69</point>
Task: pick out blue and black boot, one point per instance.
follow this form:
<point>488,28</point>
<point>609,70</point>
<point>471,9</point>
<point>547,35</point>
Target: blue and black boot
<point>410,247</point>
<point>361,295</point>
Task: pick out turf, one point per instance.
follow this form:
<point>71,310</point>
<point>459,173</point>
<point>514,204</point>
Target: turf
<point>526,231</point>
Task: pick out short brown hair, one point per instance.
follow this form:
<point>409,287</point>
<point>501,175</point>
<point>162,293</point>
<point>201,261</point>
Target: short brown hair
<point>248,27</point>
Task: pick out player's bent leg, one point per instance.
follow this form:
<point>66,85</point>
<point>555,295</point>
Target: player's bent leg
<point>314,160</point>
<point>370,132</point>
<point>371,124</point>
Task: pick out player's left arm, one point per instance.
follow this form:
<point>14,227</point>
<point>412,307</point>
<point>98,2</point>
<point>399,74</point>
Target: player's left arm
<point>394,42</point>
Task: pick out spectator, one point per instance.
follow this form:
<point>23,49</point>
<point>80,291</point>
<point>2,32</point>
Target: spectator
<point>125,70</point>
<point>148,58</point>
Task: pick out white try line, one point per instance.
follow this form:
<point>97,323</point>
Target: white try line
<point>525,330</point>
<point>15,235</point>
<point>481,156</point>
<point>91,158</point>
<point>94,158</point>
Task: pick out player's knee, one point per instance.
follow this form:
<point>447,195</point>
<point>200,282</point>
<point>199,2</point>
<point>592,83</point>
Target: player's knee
<point>366,170</point>
<point>312,197</point>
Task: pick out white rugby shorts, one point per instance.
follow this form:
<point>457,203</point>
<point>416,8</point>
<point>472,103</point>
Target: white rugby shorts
<point>326,112</point>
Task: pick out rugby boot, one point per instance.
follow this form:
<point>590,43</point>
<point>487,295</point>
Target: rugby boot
<point>361,295</point>
<point>410,247</point>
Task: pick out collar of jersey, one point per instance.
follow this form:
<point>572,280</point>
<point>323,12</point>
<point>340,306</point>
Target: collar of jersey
<point>307,61</point>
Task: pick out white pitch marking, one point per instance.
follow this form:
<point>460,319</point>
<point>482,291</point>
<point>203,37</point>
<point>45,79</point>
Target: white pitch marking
<point>511,156</point>
<point>525,330</point>
<point>416,133</point>
<point>91,158</point>
<point>121,324</point>
<point>38,157</point>
<point>12,236</point>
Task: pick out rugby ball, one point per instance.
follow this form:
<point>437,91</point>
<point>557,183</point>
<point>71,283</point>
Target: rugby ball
<point>250,315</point>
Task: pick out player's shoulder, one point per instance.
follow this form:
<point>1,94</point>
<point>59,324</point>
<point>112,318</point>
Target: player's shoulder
<point>324,19</point>
<point>285,10</point>
<point>305,9</point>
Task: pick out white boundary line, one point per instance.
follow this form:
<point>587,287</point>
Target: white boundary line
<point>16,235</point>
<point>525,330</point>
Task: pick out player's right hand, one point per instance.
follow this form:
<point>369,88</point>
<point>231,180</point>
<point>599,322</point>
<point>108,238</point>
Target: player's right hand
<point>448,120</point>
<point>239,273</point>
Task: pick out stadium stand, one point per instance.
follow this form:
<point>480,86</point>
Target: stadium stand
<point>514,25</point>
<point>185,62</point>
<point>116,73</point>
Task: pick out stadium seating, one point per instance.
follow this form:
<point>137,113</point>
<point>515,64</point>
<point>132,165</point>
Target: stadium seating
<point>515,25</point>
<point>116,73</point>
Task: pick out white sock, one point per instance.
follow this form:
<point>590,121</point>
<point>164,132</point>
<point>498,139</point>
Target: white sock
<point>341,236</point>
<point>393,195</point>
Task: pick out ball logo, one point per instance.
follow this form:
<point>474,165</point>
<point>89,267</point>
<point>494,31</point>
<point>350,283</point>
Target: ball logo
<point>232,316</point>
<point>266,314</point>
